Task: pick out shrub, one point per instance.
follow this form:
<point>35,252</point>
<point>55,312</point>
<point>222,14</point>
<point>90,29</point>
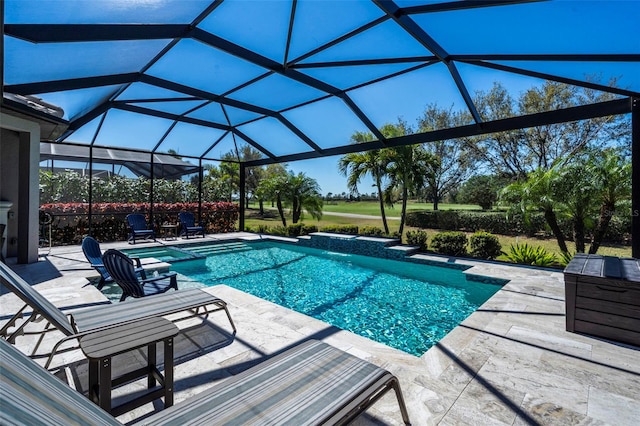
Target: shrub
<point>485,245</point>
<point>372,231</point>
<point>341,229</point>
<point>530,255</point>
<point>450,243</point>
<point>294,230</point>
<point>309,229</point>
<point>278,230</point>
<point>417,238</point>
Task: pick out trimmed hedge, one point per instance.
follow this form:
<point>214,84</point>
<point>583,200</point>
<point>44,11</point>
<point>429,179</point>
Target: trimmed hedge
<point>371,231</point>
<point>619,230</point>
<point>417,238</point>
<point>484,245</point>
<point>341,229</point>
<point>71,220</point>
<point>450,243</point>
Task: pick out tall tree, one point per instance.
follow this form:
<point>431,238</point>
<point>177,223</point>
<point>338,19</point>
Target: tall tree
<point>454,163</point>
<point>515,154</point>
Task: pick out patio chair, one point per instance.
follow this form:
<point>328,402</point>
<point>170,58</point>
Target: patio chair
<point>77,323</point>
<point>91,250</point>
<point>121,268</point>
<point>138,228</point>
<point>188,225</point>
<point>310,384</point>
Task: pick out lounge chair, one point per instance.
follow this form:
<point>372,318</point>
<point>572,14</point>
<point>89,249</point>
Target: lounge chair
<point>196,302</point>
<point>310,384</point>
<point>188,225</point>
<point>91,250</point>
<point>138,228</point>
<point>121,268</point>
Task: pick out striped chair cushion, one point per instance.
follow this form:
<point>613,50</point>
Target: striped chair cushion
<point>30,395</point>
<point>310,384</point>
<point>134,309</point>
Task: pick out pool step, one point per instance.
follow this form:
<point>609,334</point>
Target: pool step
<point>219,248</point>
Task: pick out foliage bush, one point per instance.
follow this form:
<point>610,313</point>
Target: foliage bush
<point>450,243</point>
<point>108,223</point>
<point>485,245</point>
<point>341,229</point>
<point>371,231</point>
<point>619,230</point>
<point>417,238</point>
<point>529,255</point>
<point>309,229</point>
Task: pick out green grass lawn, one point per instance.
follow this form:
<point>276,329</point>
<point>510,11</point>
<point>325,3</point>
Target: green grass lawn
<point>371,208</point>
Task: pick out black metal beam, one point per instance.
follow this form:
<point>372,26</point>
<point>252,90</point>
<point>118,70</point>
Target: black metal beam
<point>553,77</point>
<point>635,177</point>
<point>340,39</point>
<point>196,121</point>
<point>460,5</point>
<point>71,84</point>
<point>560,57</point>
<point>615,107</point>
<point>168,115</point>
<point>70,33</point>
<point>269,64</point>
<point>242,206</point>
<point>358,62</point>
<point>292,18</point>
<point>416,31</point>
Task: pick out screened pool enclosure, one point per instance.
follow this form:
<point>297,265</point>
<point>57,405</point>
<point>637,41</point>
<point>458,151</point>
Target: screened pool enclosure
<point>295,80</point>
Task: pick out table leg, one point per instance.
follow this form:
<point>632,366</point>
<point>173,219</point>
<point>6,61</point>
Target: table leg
<point>151,364</point>
<point>168,372</point>
<point>104,384</point>
<point>94,365</point>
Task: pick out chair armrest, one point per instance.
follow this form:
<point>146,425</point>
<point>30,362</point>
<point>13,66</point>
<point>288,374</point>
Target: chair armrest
<point>168,275</point>
<point>137,261</point>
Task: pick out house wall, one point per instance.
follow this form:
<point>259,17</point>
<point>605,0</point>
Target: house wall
<point>19,158</point>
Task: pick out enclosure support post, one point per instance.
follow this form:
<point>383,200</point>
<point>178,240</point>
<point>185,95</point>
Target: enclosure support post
<point>90,218</point>
<point>200,179</point>
<point>151,175</point>
<point>242,195</point>
<point>635,177</point>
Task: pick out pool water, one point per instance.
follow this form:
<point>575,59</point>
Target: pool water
<point>401,304</point>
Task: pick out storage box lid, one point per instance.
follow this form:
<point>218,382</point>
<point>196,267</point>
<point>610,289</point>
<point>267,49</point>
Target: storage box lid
<point>627,269</point>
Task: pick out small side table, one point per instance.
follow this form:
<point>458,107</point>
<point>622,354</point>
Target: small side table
<point>169,230</point>
<point>101,346</point>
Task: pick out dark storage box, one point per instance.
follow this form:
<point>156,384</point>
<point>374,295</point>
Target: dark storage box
<point>603,297</point>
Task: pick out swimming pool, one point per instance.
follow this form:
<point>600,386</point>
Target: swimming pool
<point>401,304</point>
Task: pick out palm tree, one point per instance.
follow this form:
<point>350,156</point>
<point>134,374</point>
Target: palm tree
<point>273,188</point>
<point>537,193</point>
<point>612,176</point>
<point>357,165</point>
<point>407,170</point>
<point>303,193</point>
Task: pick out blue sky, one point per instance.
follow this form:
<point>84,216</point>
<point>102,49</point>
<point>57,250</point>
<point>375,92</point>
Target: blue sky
<point>554,27</point>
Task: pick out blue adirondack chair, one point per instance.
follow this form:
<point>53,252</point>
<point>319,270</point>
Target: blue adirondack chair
<point>138,228</point>
<point>92,252</point>
<point>188,225</point>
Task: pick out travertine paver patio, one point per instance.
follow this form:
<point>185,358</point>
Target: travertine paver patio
<point>511,362</point>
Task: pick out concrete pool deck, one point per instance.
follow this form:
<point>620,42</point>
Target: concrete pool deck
<point>511,362</point>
